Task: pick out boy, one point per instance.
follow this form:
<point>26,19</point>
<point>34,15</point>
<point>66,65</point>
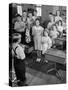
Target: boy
<point>24,16</point>
<point>19,59</point>
<point>30,20</point>
<point>19,27</point>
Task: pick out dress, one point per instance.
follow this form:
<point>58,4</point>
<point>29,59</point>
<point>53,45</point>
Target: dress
<point>46,43</point>
<point>53,34</point>
<point>37,33</point>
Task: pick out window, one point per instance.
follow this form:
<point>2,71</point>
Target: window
<point>38,8</point>
<point>19,9</point>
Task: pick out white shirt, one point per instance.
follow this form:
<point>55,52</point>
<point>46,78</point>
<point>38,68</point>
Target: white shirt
<point>50,24</point>
<point>37,31</point>
<point>57,18</point>
<point>53,34</point>
<point>30,20</point>
<point>60,28</point>
<point>19,51</point>
<point>47,40</point>
<point>64,25</point>
<point>34,18</point>
<point>19,26</point>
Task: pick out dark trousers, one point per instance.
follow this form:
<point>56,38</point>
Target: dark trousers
<point>19,66</point>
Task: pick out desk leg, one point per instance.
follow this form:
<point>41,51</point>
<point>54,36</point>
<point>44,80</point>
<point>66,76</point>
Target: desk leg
<point>57,73</point>
<point>52,68</point>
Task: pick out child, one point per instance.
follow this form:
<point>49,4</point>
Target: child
<point>20,27</point>
<point>50,24</point>
<point>35,15</point>
<point>19,24</point>
<point>53,33</point>
<point>46,42</point>
<point>27,34</point>
<point>58,17</point>
<point>24,16</point>
<point>60,28</point>
<point>19,56</point>
<point>37,32</point>
<point>30,20</point>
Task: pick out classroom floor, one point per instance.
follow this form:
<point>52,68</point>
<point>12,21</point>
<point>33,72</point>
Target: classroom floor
<point>36,73</point>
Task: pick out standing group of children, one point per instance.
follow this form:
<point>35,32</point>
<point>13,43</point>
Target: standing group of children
<point>44,39</point>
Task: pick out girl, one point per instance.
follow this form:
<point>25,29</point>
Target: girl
<point>53,34</point>
<point>51,17</point>
<point>58,17</point>
<point>60,28</point>
<point>46,42</point>
<point>37,32</point>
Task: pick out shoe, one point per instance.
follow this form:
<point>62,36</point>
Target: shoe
<point>25,85</point>
<point>46,61</point>
<point>38,60</point>
<point>22,83</point>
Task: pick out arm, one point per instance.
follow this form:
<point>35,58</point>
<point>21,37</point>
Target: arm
<point>48,26</point>
<point>49,43</point>
<point>16,26</point>
<point>12,53</point>
<point>42,40</point>
<point>42,31</point>
<point>33,30</point>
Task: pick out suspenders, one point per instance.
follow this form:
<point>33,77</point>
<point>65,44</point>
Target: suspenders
<point>15,50</point>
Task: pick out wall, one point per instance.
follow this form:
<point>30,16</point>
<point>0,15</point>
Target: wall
<point>46,9</point>
<point>26,6</point>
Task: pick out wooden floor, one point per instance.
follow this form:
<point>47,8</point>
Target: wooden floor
<point>36,73</point>
<point>38,78</point>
